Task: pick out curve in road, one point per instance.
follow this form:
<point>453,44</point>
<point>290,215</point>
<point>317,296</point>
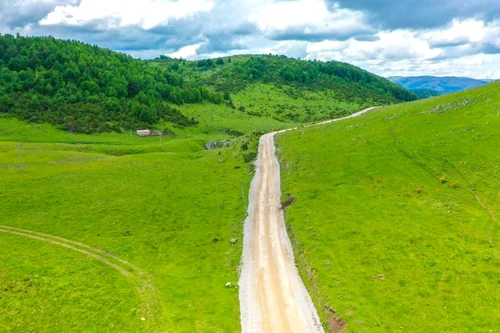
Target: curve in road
<point>272,295</point>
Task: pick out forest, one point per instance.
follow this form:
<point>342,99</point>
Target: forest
<point>426,93</point>
<point>88,89</point>
<point>232,74</point>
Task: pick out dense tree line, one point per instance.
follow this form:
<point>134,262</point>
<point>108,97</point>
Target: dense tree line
<point>88,89</point>
<point>425,93</point>
<point>349,83</point>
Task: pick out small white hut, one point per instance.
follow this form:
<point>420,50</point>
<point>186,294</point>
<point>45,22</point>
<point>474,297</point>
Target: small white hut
<point>143,133</point>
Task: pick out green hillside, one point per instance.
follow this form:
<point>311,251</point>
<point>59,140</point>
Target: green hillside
<point>289,90</point>
<point>395,222</point>
<point>86,89</point>
<point>426,93</point>
<point>168,208</point>
<point>103,231</point>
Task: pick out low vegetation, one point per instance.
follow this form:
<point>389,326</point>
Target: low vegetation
<point>426,93</point>
<point>395,222</point>
<point>286,89</point>
<point>134,233</point>
<point>168,208</point>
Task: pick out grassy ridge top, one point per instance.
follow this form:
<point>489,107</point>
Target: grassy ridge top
<point>395,221</point>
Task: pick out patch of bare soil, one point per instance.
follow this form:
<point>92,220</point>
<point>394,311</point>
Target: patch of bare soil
<point>336,325</point>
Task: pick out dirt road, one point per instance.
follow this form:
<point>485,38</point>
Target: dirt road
<point>272,295</point>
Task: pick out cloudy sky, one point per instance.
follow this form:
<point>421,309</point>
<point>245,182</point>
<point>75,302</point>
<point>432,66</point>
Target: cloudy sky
<point>387,37</point>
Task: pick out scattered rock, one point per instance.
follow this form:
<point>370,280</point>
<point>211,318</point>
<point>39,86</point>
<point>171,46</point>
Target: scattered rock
<point>217,144</point>
<point>234,241</point>
<point>229,285</point>
<point>211,145</point>
<point>215,239</point>
<point>143,319</point>
<point>380,277</point>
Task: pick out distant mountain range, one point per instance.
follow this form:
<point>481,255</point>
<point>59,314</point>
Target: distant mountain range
<point>441,85</point>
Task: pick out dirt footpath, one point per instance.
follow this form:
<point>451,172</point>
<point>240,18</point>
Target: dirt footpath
<point>272,295</point>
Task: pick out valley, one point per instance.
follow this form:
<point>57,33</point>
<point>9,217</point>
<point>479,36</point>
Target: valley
<point>269,203</point>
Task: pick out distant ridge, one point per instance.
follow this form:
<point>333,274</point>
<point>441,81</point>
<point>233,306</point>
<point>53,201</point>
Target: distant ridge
<point>443,85</point>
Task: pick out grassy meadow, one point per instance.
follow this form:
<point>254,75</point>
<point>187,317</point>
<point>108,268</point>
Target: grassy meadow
<point>292,104</point>
<point>395,223</point>
<point>163,214</point>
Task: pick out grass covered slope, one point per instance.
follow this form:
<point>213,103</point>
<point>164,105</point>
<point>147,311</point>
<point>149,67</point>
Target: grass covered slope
<point>426,93</point>
<point>287,89</point>
<point>395,221</point>
<point>169,209</point>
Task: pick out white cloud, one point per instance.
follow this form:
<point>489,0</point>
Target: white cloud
<point>492,33</point>
<point>308,16</point>
<point>404,44</point>
<point>118,13</point>
<point>390,46</point>
<point>311,29</point>
<point>291,48</point>
<point>458,32</point>
<point>186,52</point>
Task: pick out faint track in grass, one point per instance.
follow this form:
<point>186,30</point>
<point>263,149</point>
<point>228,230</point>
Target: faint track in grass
<point>82,245</point>
<point>145,288</point>
<point>492,215</point>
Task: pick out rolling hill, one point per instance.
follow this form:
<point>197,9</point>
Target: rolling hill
<point>426,93</point>
<point>395,220</point>
<point>135,232</point>
<point>86,89</point>
<point>289,90</point>
<point>443,85</point>
<point>103,231</point>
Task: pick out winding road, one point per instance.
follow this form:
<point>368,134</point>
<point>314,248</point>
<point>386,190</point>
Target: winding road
<point>272,295</point>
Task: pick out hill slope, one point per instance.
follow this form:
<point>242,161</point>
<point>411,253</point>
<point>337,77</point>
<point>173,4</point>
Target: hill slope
<point>426,93</point>
<point>87,89</point>
<point>168,207</point>
<point>442,85</point>
<point>287,89</point>
<point>396,214</point>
